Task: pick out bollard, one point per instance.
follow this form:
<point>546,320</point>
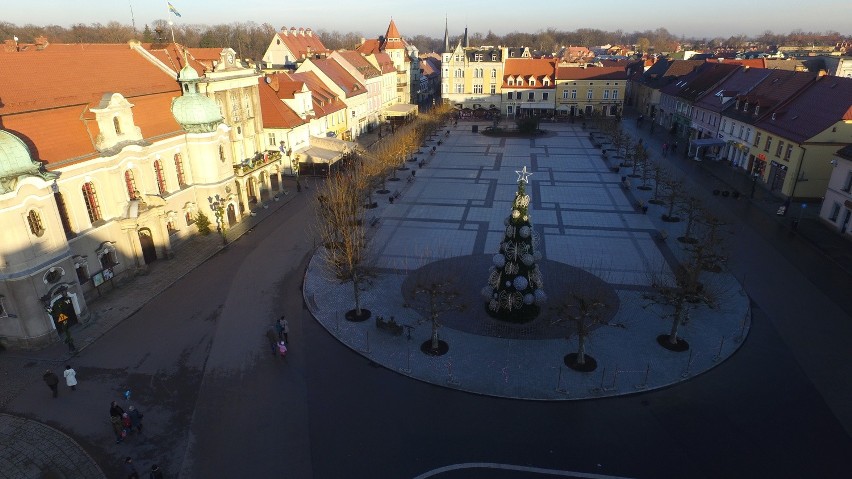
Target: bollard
<point>451,380</point>
<point>614,380</point>
<point>685,373</point>
<point>366,349</point>
<point>599,388</point>
<point>645,382</point>
<point>719,353</point>
<point>407,369</point>
<point>559,387</point>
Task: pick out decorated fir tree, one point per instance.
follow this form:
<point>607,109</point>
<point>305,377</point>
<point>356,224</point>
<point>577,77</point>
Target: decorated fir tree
<point>515,287</point>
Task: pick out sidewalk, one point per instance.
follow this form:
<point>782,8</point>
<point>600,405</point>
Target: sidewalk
<point>810,227</point>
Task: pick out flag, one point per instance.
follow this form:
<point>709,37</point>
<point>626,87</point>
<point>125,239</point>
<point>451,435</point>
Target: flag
<point>173,9</point>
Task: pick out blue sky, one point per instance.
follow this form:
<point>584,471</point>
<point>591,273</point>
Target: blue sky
<point>370,17</point>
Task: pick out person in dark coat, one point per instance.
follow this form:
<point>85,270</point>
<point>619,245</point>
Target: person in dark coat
<point>115,410</point>
<point>272,336</point>
<point>156,473</point>
<point>130,469</point>
<point>52,381</point>
<point>135,418</point>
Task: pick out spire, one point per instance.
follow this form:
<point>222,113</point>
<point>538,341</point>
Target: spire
<point>446,35</point>
<point>392,31</point>
<point>465,41</point>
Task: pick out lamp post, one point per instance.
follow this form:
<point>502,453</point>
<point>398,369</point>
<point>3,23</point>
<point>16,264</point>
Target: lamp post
<point>754,176</point>
<point>217,204</point>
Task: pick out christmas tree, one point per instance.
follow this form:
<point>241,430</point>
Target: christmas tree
<point>515,288</point>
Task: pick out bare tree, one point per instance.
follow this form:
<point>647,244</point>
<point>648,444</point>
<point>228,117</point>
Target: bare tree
<point>434,295</point>
<point>584,312</point>
<point>341,228</point>
<point>658,174</point>
<point>672,196</point>
<point>692,208</point>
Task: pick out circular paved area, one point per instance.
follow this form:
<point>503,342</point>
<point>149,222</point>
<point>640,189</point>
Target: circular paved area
<point>453,214</point>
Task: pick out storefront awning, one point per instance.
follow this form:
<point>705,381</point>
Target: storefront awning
<point>708,142</point>
<point>401,109</point>
<point>326,150</point>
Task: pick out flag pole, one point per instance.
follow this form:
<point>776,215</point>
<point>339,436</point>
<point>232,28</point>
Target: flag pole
<point>171,22</point>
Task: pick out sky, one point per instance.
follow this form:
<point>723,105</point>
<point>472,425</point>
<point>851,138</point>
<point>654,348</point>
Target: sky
<point>721,18</point>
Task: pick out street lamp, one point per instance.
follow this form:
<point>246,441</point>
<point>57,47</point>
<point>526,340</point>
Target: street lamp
<point>754,176</point>
<point>217,204</point>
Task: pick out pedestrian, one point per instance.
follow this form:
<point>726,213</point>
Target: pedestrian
<point>135,418</point>
<point>282,349</point>
<point>156,473</point>
<point>115,410</point>
<point>117,429</point>
<point>52,381</point>
<point>130,469</point>
<point>279,329</point>
<point>70,377</point>
<point>126,424</point>
<point>285,329</point>
<point>273,340</point>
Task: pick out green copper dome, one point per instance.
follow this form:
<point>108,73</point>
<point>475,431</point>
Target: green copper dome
<point>195,112</point>
<point>14,156</point>
<point>16,163</point>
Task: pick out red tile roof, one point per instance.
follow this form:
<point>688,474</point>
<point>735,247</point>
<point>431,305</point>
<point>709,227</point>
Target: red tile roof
<point>302,42</point>
<point>779,86</point>
<point>369,46</point>
<point>47,94</point>
<point>325,101</point>
<point>813,110</point>
<point>591,73</point>
<point>385,62</point>
<point>526,68</point>
<point>343,79</point>
<point>740,82</point>
<point>360,63</point>
<point>276,113</point>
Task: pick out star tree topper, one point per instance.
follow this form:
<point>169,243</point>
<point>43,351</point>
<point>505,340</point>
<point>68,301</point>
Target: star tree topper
<point>523,175</point>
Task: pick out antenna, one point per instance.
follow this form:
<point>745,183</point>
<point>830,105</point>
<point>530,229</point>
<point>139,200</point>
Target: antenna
<point>132,18</point>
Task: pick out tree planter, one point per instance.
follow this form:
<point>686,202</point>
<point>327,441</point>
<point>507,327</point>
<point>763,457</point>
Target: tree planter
<point>679,347</point>
<point>352,315</point>
<point>670,219</point>
<point>589,365</point>
<point>441,350</point>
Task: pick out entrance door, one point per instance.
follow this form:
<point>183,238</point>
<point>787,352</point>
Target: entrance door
<point>63,315</point>
<point>845,223</point>
<point>146,241</point>
<point>232,215</point>
<point>273,180</point>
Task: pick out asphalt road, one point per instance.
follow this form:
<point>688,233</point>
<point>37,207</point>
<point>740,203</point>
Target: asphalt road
<point>217,403</point>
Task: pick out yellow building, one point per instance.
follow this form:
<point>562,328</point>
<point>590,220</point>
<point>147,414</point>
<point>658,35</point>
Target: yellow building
<point>584,91</point>
<point>472,77</point>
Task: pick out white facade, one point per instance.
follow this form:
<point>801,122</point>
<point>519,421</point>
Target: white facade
<point>836,209</point>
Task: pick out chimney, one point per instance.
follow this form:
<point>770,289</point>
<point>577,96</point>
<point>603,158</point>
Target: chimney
<point>41,43</point>
<point>362,40</point>
<point>293,31</point>
<point>309,32</point>
<point>301,31</point>
<point>284,30</point>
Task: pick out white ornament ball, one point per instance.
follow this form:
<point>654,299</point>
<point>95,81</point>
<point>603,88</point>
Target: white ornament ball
<point>529,298</point>
<point>499,260</point>
<point>524,231</point>
<point>521,283</point>
<point>527,259</point>
<point>540,296</point>
<point>516,214</point>
<point>526,218</point>
<point>508,284</point>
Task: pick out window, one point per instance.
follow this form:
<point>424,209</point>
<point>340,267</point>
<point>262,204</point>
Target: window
<point>615,94</point>
<point>544,95</point>
<point>546,82</point>
<point>271,137</point>
<point>108,257</point>
<point>835,212</point>
<point>531,96</point>
<point>235,107</point>
<point>458,58</point>
<point>493,89</point>
<point>509,109</point>
<point>724,122</point>
<point>117,125</point>
<point>4,312</point>
<point>459,88</point>
<point>768,143</point>
<point>511,82</point>
<point>757,138</point>
<point>493,57</point>
<point>82,271</point>
<point>779,148</point>
<point>459,73</point>
<point>589,94</point>
<point>477,57</point>
<point>748,134</point>
<point>564,94</point>
<point>190,219</point>
<point>247,104</point>
<point>847,185</point>
<point>477,88</point>
<point>789,152</point>
<point>130,184</point>
<point>90,196</point>
<point>532,82</point>
<point>179,165</point>
<point>493,73</point>
<point>36,225</point>
<point>170,227</point>
<point>606,94</point>
<point>161,178</point>
<point>573,94</point>
<point>509,95</point>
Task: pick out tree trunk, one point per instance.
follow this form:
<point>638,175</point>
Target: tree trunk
<point>581,349</point>
<point>675,322</point>
<point>435,333</point>
<point>355,281</point>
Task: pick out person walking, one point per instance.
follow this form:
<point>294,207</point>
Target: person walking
<point>282,349</point>
<point>156,473</point>
<point>135,418</point>
<point>70,377</point>
<point>52,381</point>
<point>272,337</point>
<point>285,329</point>
<point>130,469</point>
<point>115,410</point>
<point>117,429</point>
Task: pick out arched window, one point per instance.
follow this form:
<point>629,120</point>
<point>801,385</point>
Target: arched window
<point>117,125</point>
<point>161,178</point>
<point>493,73</point>
<point>90,196</point>
<point>222,153</point>
<point>36,226</point>
<point>179,170</point>
<point>247,104</point>
<point>130,184</point>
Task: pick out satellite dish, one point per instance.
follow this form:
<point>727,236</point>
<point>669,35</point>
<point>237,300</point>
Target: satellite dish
<point>16,38</point>
<point>268,80</point>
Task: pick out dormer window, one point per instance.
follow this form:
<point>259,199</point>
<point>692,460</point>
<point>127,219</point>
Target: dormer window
<point>757,111</point>
<point>117,125</point>
<point>532,82</point>
<point>737,106</point>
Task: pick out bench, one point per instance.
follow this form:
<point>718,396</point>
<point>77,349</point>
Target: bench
<point>389,326</point>
<point>374,221</point>
<point>662,235</point>
<point>410,179</point>
<point>395,194</point>
<point>625,183</point>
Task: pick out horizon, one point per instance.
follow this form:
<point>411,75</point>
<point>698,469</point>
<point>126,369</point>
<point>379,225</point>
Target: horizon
<point>498,16</point>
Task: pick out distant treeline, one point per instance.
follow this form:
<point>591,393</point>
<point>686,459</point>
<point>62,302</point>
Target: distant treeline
<point>250,39</point>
